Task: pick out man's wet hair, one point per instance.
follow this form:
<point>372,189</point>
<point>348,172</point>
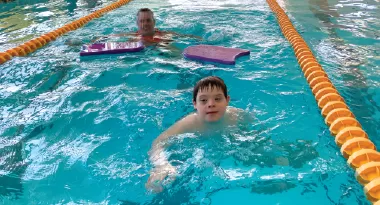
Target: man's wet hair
<point>144,10</point>
<point>205,83</point>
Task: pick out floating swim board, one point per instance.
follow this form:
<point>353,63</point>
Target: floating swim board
<point>217,54</point>
<point>111,48</point>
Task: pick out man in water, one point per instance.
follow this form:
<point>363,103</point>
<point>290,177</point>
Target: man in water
<point>147,31</point>
<point>146,26</point>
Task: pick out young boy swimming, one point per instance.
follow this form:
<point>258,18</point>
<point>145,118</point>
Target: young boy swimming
<point>210,99</point>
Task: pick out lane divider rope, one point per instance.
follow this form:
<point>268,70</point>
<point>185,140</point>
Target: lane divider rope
<point>36,43</point>
<point>360,152</point>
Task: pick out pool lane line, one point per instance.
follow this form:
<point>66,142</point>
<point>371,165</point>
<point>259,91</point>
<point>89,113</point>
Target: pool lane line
<point>360,152</point>
<point>36,43</point>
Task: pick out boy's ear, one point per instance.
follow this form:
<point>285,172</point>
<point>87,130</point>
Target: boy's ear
<point>194,104</point>
<point>228,99</point>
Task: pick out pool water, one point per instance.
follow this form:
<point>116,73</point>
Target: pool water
<point>77,130</point>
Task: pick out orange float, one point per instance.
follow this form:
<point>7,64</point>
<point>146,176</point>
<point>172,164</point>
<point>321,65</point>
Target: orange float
<point>304,57</point>
<point>17,51</point>
<point>41,40</point>
<point>343,122</point>
<point>59,32</point>
<point>368,172</point>
<point>330,97</point>
<point>26,48</point>
<point>372,190</point>
<point>49,36</point>
<point>348,133</point>
<point>31,45</point>
<point>12,52</point>
<point>46,38</point>
<point>2,60</point>
<point>293,37</point>
<point>355,144</point>
<point>311,75</point>
<point>331,106</point>
<point>324,91</point>
<point>312,69</point>
<point>337,113</point>
<point>307,65</point>
<point>302,51</point>
<point>363,157</point>
<point>318,79</point>
<point>320,86</point>
<point>6,56</point>
<point>36,42</point>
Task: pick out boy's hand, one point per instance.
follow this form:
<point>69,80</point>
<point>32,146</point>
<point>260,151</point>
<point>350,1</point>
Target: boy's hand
<point>158,175</point>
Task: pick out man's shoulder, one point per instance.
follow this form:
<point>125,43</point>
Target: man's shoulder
<point>162,32</point>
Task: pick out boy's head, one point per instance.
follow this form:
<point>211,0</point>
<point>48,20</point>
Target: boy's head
<point>210,98</point>
<point>145,22</point>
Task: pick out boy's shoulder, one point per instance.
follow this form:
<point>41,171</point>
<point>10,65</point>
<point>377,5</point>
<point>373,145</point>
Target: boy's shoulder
<point>234,112</point>
<point>236,115</point>
<point>189,122</point>
<point>231,109</point>
<point>189,118</point>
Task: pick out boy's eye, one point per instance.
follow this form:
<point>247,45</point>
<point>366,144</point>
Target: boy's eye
<point>218,99</point>
<point>203,100</point>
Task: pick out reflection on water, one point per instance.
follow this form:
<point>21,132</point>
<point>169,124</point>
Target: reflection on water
<point>220,159</point>
<point>12,162</point>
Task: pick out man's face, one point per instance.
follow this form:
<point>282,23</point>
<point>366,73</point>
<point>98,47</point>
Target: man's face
<point>146,23</point>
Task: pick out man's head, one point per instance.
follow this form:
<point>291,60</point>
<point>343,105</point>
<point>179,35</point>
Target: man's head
<point>145,22</point>
<point>210,98</point>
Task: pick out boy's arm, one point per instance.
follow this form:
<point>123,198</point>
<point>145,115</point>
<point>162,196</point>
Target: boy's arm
<point>156,154</point>
<point>162,167</point>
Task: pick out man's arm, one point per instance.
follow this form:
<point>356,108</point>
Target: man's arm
<point>132,34</point>
<point>183,35</point>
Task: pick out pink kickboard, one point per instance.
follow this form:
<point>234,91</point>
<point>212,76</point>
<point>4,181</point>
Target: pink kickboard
<point>217,54</point>
<point>111,48</point>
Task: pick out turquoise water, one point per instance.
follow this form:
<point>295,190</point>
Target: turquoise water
<point>77,130</point>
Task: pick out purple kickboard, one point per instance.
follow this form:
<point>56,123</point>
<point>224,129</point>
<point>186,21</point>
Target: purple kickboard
<point>217,54</point>
<point>111,48</point>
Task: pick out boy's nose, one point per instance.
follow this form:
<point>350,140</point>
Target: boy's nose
<point>211,103</point>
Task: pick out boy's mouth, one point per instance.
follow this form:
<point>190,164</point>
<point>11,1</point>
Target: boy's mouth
<point>213,112</point>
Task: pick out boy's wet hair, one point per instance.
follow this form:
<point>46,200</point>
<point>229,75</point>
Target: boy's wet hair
<point>205,83</point>
<point>144,10</point>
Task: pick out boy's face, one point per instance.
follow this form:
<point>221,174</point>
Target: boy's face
<point>146,23</point>
<point>211,104</point>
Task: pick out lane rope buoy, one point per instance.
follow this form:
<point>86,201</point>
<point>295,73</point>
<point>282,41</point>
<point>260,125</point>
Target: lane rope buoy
<point>360,152</point>
<point>36,43</point>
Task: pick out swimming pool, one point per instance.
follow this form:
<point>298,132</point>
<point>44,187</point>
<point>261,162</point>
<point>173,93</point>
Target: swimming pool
<point>77,131</point>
